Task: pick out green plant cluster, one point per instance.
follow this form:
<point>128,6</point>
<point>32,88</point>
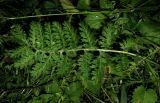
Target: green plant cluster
<point>105,57</point>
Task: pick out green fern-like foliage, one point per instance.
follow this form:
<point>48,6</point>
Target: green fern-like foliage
<point>41,52</point>
<point>88,37</point>
<point>85,68</point>
<point>37,49</point>
<point>130,44</point>
<point>96,57</point>
<point>66,62</point>
<point>44,54</point>
<point>109,35</point>
<point>71,35</point>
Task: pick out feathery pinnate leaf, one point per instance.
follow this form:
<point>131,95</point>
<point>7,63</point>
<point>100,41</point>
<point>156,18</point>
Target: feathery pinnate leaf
<point>71,35</point>
<point>109,35</point>
<point>64,65</point>
<point>88,37</point>
<point>130,44</point>
<point>18,35</point>
<point>97,73</point>
<point>49,36</point>
<point>36,35</point>
<point>85,68</point>
<point>74,91</point>
<point>59,38</point>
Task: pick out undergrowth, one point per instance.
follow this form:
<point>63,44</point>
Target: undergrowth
<point>107,57</point>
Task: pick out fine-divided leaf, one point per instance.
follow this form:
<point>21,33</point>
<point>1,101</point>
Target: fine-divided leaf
<point>109,34</point>
<point>88,38</point>
<point>64,65</point>
<point>121,65</point>
<point>18,35</point>
<point>20,52</point>
<point>130,44</point>
<point>98,66</point>
<point>122,21</point>
<point>49,36</point>
<point>70,34</point>
<point>53,88</point>
<point>24,62</point>
<point>59,38</point>
<point>40,69</point>
<point>141,95</point>
<point>36,35</point>
<point>85,67</point>
<point>74,91</point>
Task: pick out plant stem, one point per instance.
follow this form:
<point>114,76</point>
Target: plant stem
<point>111,51</point>
<point>69,13</point>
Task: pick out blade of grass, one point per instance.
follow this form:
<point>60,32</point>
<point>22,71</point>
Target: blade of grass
<point>123,94</point>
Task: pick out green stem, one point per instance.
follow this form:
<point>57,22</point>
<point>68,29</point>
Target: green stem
<point>111,51</point>
<point>70,13</point>
<point>100,50</point>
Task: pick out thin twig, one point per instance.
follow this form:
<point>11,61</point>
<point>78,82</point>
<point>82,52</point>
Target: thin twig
<point>111,51</point>
<point>107,95</point>
<point>94,97</point>
<point>88,97</point>
<point>101,50</point>
<point>69,13</point>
